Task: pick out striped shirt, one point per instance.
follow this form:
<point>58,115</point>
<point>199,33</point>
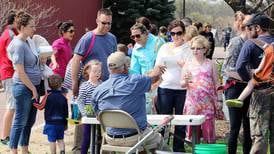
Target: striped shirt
<point>84,97</point>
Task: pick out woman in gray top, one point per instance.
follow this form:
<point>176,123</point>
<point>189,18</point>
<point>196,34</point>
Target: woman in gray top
<point>237,116</point>
<point>26,80</point>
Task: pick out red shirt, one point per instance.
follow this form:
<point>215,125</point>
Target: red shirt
<point>6,68</point>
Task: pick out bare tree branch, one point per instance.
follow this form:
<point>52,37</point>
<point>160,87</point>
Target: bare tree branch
<point>258,4</point>
<point>5,7</point>
<point>40,13</point>
<point>269,6</point>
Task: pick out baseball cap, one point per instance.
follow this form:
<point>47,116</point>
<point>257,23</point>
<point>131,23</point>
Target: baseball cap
<point>259,19</point>
<point>116,60</point>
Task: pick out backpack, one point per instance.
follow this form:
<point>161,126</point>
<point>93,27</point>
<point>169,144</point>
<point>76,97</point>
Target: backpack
<point>267,71</point>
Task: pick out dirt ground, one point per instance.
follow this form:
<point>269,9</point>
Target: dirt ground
<point>39,143</point>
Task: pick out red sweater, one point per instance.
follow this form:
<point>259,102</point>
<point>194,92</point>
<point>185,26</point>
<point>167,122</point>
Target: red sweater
<point>6,68</point>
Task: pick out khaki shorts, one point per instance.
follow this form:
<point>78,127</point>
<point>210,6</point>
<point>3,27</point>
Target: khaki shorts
<point>10,101</point>
<point>132,140</point>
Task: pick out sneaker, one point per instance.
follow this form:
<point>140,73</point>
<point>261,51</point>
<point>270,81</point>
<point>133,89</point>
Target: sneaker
<point>5,141</point>
<point>234,103</point>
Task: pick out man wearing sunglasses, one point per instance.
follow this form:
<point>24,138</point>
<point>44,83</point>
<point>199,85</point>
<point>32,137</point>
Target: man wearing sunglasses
<point>105,43</point>
<point>261,111</point>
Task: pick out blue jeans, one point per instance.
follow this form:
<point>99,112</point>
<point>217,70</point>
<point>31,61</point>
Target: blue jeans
<point>238,117</point>
<point>169,100</point>
<point>25,115</point>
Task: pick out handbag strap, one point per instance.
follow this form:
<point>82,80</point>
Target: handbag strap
<point>90,46</point>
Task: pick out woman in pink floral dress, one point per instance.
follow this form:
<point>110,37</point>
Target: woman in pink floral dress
<point>199,76</point>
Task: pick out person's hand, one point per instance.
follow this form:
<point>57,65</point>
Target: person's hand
<point>34,94</point>
<point>75,89</point>
<point>181,63</point>
<point>159,69</point>
<point>55,65</point>
<point>130,45</point>
<point>187,77</point>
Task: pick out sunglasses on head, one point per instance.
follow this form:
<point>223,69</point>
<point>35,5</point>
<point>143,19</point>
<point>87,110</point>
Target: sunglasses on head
<point>71,31</point>
<point>179,33</point>
<point>197,49</point>
<point>105,23</point>
<point>135,36</point>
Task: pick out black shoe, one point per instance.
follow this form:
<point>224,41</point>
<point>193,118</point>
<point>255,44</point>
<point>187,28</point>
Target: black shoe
<point>5,141</point>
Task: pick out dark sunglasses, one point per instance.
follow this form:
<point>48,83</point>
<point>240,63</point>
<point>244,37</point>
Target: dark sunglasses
<point>106,23</point>
<point>135,36</point>
<point>176,33</point>
<point>71,31</point>
<point>197,49</point>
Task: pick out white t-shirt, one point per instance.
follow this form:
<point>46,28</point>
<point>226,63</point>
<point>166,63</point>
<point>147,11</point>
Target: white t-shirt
<point>169,56</point>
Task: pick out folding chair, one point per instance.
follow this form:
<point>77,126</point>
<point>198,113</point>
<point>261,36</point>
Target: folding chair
<point>120,119</point>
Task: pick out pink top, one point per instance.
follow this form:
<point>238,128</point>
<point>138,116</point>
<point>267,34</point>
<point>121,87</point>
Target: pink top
<point>63,53</point>
<point>201,93</point>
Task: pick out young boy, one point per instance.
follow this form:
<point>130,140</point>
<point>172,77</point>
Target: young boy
<point>56,112</point>
<point>262,74</point>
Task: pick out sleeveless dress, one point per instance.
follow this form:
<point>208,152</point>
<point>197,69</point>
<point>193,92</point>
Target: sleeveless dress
<point>201,97</point>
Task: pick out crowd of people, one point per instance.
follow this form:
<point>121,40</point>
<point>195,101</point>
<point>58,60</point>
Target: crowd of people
<point>171,72</point>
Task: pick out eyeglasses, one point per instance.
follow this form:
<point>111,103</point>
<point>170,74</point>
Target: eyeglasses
<point>106,23</point>
<point>71,31</point>
<point>196,49</point>
<point>135,36</point>
<point>179,33</point>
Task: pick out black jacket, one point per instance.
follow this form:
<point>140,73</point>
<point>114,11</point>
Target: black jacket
<point>56,108</point>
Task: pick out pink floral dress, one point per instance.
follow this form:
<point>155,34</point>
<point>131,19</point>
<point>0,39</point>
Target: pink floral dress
<point>201,96</point>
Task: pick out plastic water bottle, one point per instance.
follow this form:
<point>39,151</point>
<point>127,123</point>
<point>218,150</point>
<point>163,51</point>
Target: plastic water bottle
<point>74,109</point>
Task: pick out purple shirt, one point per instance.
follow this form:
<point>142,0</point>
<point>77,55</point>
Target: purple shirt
<point>63,53</point>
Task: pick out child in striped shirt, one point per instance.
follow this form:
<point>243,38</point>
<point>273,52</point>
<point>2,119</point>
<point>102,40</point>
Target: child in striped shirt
<point>92,74</point>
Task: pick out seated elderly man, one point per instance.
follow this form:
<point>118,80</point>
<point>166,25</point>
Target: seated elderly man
<point>126,92</point>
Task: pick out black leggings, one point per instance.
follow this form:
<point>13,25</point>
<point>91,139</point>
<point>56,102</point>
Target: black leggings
<point>238,116</point>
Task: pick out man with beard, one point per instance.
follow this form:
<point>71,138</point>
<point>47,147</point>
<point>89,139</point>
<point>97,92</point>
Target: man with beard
<point>262,101</point>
